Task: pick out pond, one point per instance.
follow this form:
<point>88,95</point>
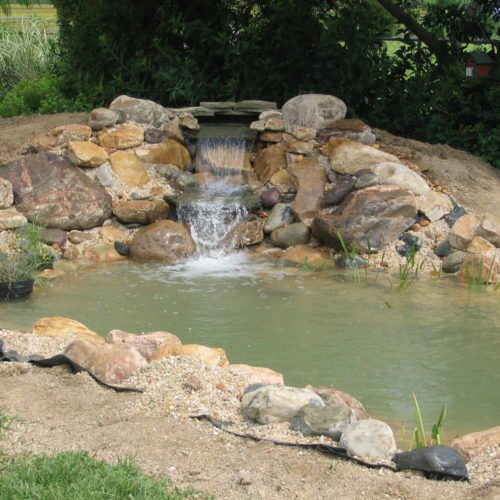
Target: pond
<point>436,338</point>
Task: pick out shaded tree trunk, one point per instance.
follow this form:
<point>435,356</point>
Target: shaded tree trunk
<point>438,47</point>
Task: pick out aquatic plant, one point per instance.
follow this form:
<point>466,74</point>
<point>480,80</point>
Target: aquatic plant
<point>408,271</point>
<point>419,439</point>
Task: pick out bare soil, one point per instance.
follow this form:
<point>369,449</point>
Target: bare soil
<point>58,410</point>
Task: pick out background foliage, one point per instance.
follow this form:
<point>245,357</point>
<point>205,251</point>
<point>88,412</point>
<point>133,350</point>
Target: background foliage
<point>178,53</point>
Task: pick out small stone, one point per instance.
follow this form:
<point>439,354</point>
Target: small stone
<point>412,240</point>
<point>452,262</point>
<point>463,231</point>
<point>104,117</point>
<point>434,205</point>
<point>443,249</point>
<point>77,237</point>
<point>291,235</point>
<point>244,478</point>
<point>6,194</point>
<point>122,248</point>
<point>271,197</point>
<point>193,382</point>
<point>71,253</point>
<point>366,180</point>
<point>101,252</point>
<point>141,211</point>
<point>275,125</point>
<point>154,135</point>
<point>455,214</point>
<point>490,229</point>
<point>54,236</point>
<point>106,176</point>
<point>12,219</point>
<point>280,216</point>
<point>342,187</point>
<point>283,181</point>
<point>480,246</point>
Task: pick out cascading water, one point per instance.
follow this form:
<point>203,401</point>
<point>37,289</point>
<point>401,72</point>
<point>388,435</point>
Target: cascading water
<point>214,209</point>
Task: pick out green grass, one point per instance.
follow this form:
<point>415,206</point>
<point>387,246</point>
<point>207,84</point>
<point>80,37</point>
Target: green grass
<point>77,476</point>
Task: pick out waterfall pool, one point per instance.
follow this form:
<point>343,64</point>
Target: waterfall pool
<point>437,339</point>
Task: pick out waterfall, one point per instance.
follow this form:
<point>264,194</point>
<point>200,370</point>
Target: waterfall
<point>214,209</point>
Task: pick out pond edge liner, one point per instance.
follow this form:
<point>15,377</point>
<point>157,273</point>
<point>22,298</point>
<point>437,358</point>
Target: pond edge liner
<point>59,359</point>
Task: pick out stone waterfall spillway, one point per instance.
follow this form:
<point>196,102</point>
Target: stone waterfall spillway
<point>213,209</point>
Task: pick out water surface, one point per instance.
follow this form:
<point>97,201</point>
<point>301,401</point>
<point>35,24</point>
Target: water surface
<point>437,339</point>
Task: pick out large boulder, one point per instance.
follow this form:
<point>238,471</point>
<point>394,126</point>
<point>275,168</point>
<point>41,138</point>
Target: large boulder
<point>141,110</point>
<point>369,438</point>
<point>169,152</point>
<point>164,240</point>
<point>398,175</point>
<point>109,363</point>
<point>348,157</point>
<point>274,403</point>
<point>315,111</point>
<point>310,178</point>
<point>368,219</point>
<point>50,191</point>
<point>268,161</point>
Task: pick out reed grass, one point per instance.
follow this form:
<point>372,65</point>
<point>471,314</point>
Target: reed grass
<point>25,52</point>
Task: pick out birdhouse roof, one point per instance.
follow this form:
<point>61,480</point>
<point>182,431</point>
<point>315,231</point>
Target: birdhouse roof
<point>481,57</point>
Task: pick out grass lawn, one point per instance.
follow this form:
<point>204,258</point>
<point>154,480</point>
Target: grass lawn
<point>78,476</point>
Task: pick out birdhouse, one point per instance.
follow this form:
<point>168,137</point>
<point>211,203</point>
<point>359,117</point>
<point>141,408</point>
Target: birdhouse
<point>478,64</point>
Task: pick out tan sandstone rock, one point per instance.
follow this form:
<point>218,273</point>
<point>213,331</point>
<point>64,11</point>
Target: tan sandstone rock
<point>102,252</point>
<point>268,161</point>
<point>148,344</point>
<point>59,137</point>
<point>304,254</point>
<point>208,355</point>
<point>57,326</point>
<point>256,374</point>
<point>472,444</point>
<point>141,211</point>
<point>169,152</point>
<point>463,231</point>
<point>110,363</point>
<point>86,154</point>
<point>128,168</point>
<point>125,137</point>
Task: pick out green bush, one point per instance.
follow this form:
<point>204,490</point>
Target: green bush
<point>40,96</point>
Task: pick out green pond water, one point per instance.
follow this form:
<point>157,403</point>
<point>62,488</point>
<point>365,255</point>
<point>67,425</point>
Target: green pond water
<point>437,339</point>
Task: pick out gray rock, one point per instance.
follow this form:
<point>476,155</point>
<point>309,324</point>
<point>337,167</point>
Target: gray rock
<point>106,176</point>
<point>142,110</point>
<point>281,215</point>
<point>54,236</point>
<point>350,262</point>
<point>452,263</point>
<point>155,135</point>
<point>434,205</point>
<point>331,421</point>
<point>273,403</point>
<point>436,461</point>
<point>443,249</point>
<point>395,174</point>
<point>369,438</point>
<point>171,172</point>
<point>366,180</point>
<point>50,191</point>
<point>342,187</point>
<point>6,194</point>
<point>289,236</point>
<point>315,111</point>
<point>457,213</point>
<point>412,240</point>
<point>122,248</point>
<point>490,229</point>
<point>103,117</point>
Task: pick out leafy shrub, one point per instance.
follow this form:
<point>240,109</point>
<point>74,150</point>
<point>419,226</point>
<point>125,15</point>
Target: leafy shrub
<point>40,96</point>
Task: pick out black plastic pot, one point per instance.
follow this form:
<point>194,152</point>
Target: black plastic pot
<point>16,289</point>
<point>45,265</point>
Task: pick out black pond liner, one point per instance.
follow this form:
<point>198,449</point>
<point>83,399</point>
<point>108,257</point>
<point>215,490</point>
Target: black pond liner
<point>58,359</point>
<point>16,289</point>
